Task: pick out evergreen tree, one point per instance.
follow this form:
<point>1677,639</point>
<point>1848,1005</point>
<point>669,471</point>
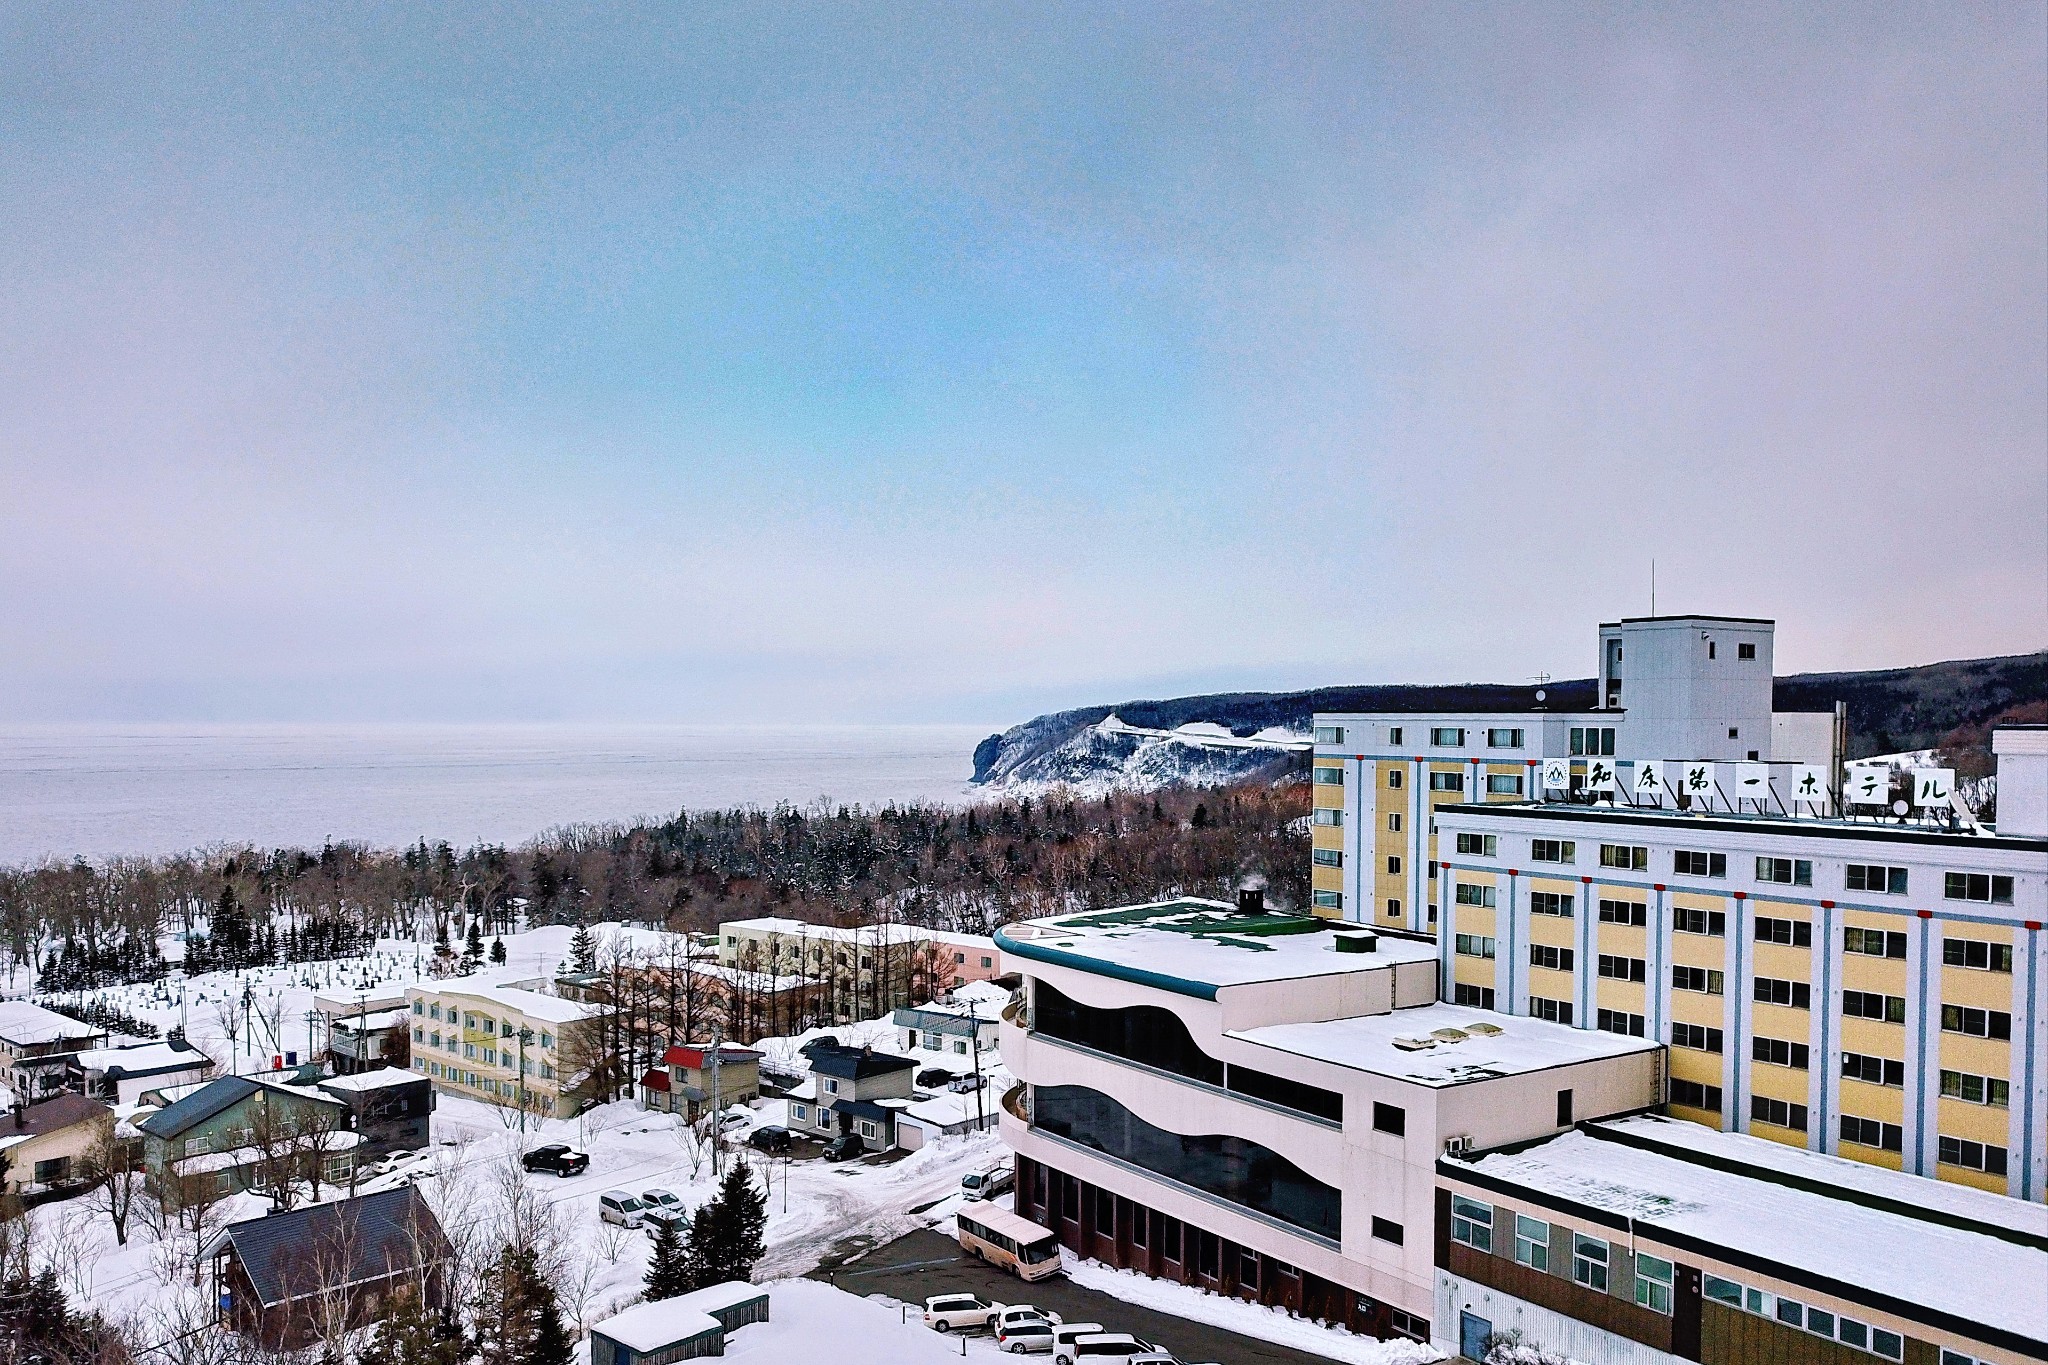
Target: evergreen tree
<point>473,948</point>
<point>698,1247</point>
<point>444,956</point>
<point>498,951</point>
<point>583,949</point>
<point>668,1270</point>
<point>411,1333</point>
<point>516,1319</point>
<point>739,1217</point>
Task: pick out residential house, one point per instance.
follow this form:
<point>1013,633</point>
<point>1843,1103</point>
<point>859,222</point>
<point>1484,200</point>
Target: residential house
<point>48,1147</point>
<point>303,1275</point>
<point>919,1121</point>
<point>121,1073</point>
<point>843,1091</point>
<point>959,1035</point>
<point>37,1047</point>
<point>245,1133</point>
<point>389,1109</point>
<point>507,1045</point>
<point>358,1025</point>
<point>684,1083</point>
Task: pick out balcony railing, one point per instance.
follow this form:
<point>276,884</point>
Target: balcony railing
<point>1013,1103</point>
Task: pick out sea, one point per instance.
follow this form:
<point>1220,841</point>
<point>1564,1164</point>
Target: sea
<point>110,790</point>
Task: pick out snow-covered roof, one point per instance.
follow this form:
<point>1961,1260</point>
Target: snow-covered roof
<point>947,1111</point>
<point>380,996</point>
<point>24,1022</point>
<point>377,1079</point>
<point>1443,1045</point>
<point>1895,1249</point>
<point>1203,945</point>
<point>143,1059</point>
<point>653,1326</point>
<point>873,933</point>
<point>551,1009</point>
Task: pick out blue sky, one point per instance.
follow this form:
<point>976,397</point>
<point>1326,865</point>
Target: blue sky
<point>957,362</point>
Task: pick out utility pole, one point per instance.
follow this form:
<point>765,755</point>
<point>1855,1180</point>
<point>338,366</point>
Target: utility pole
<point>717,1128</point>
<point>525,1036</point>
<point>980,1104</point>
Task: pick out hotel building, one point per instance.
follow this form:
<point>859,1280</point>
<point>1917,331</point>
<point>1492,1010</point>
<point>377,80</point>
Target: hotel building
<point>502,1044</point>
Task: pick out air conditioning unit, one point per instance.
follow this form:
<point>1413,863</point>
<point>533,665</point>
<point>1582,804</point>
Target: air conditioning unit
<point>1460,1145</point>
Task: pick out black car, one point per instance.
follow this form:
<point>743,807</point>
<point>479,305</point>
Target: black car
<point>933,1075</point>
<point>769,1138</point>
<point>845,1147</point>
<point>558,1158</point>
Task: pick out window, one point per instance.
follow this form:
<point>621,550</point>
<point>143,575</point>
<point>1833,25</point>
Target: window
<point>1393,822</point>
<point>1745,651</point>
<point>1589,1261</point>
<point>1961,1085</point>
<point>1326,857</point>
<point>1327,776</point>
<point>1693,1095</point>
<point>1889,881</point>
<point>1687,863</point>
<point>1888,1137</point>
<point>1472,1223</point>
<point>1504,784</point>
<point>1329,817</point>
<point>1556,1011</point>
<point>1387,1231</point>
<point>1447,782</point>
<point>1592,741</point>
<point>1975,954</point>
<point>1468,894</point>
<point>1477,845</point>
<point>1696,979</point>
<point>1479,997</point>
<point>1447,736</point>
<point>1975,1022</point>
<point>1393,777</point>
<point>1329,734</point>
<point>1627,857</point>
<point>1785,871</point>
<point>1532,1242</point>
<point>1653,1282</point>
<point>1393,908</point>
<point>800,1112</point>
<point>1554,959</point>
<point>1618,1021</point>
<point>1777,1113</point>
<point>1977,886</point>
<point>831,1087</point>
<point>1618,968</point>
<point>1624,912</point>
<point>1712,923</point>
<point>1798,995</point>
<point>1329,900</point>
<point>1503,739</point>
<point>1891,1009</point>
<point>1393,864</point>
<point>1874,942</point>
<point>1389,1118</point>
<point>1475,945</point>
<point>1564,1108</point>
<point>1857,1066</point>
<point>1779,1052</point>
<point>469,1051</point>
<point>1552,850</point>
<point>418,1007</point>
<point>1698,1037</point>
<point>1550,903</point>
<point>1393,734</point>
<point>1971,1156</point>
<point>1796,932</point>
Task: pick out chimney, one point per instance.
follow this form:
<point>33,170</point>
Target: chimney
<point>2022,753</point>
<point>20,1114</point>
<point>1251,900</point>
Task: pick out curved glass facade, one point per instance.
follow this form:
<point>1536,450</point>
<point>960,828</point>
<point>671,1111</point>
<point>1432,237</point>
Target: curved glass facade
<point>1230,1168</point>
<point>1156,1037</point>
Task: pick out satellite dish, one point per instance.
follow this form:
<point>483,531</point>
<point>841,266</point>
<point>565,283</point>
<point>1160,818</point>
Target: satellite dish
<point>1900,808</point>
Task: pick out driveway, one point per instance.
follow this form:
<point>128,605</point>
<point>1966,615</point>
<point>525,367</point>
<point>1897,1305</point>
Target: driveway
<point>923,1263</point>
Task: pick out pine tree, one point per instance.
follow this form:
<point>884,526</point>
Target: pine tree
<point>739,1217</point>
<point>668,1270</point>
<point>473,948</point>
<point>699,1246</point>
<point>551,1344</point>
<point>498,951</point>
<point>411,1333</point>
<point>444,956</point>
<point>516,1318</point>
<point>583,949</point>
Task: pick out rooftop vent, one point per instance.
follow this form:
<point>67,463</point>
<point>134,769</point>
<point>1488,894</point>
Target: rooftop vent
<point>1251,900</point>
<point>1449,1035</point>
<point>1485,1030</point>
<point>1355,942</point>
<point>1409,1042</point>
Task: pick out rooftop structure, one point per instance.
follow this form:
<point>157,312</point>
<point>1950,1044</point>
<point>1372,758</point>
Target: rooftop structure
<point>1442,1045</point>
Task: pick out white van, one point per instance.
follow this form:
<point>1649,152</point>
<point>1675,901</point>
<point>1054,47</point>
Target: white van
<point>617,1206</point>
<point>1110,1348</point>
<point>1066,1334</point>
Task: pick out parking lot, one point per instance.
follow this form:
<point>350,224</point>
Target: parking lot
<point>917,1266</point>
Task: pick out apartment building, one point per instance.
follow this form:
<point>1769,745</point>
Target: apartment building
<point>1643,1240</point>
<point>864,971</point>
<point>1254,1103</point>
<point>507,1045</point>
<point>1872,988</point>
<point>1669,688</point>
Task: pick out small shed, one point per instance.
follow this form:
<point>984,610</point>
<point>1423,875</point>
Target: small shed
<point>688,1327</point>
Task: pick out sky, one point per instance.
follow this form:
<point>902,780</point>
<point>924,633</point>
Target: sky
<point>957,362</point>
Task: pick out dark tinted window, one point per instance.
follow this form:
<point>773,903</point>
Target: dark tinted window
<point>1228,1167</point>
<point>1388,1118</point>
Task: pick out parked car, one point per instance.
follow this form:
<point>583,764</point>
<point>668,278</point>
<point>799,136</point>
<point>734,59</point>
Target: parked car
<point>967,1084</point>
<point>658,1218</point>
<point>1112,1348</point>
<point>661,1199</point>
<point>933,1076</point>
<point>845,1147</point>
<point>987,1184</point>
<point>772,1137</point>
<point>732,1120</point>
<point>557,1157</point>
<point>1020,1312</point>
<point>959,1312</point>
<point>1066,1334</point>
<point>617,1206</point>
<point>1025,1334</point>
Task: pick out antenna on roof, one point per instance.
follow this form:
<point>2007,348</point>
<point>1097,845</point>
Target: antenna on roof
<point>1653,587</point>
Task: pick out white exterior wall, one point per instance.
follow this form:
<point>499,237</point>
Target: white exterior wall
<point>1681,703</point>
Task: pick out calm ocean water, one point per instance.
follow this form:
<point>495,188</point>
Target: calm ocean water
<point>103,790</point>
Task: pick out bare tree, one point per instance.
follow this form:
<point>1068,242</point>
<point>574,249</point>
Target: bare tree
<point>114,1166</point>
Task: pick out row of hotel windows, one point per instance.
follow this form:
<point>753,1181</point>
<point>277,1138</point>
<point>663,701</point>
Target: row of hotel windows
<point>1989,888</point>
<point>1964,1153</point>
<point>1792,1313</point>
<point>456,1076</point>
<point>482,1023</point>
<point>1472,1223</point>
<point>489,1056</point>
<point>1440,736</point>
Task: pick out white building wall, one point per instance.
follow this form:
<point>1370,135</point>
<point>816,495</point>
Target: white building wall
<point>1553,1332</point>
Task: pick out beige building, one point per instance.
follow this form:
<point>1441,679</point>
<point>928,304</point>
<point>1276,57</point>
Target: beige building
<point>506,1045</point>
<point>48,1146</point>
